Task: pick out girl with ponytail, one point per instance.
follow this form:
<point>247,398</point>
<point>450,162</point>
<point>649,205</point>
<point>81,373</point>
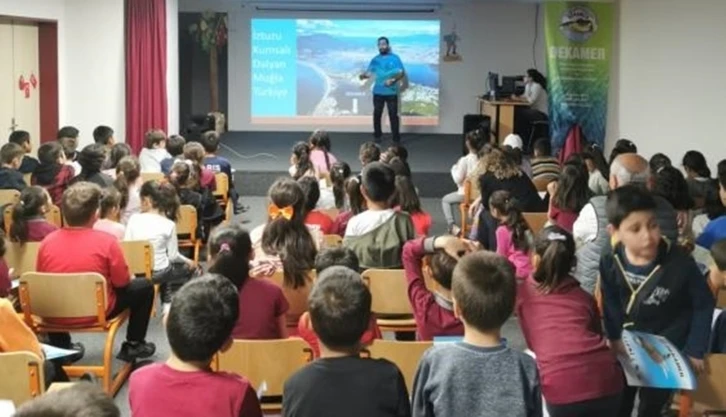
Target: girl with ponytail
<point>128,183</point>
<point>320,154</point>
<point>561,325</point>
<point>29,224</point>
<point>262,303</point>
<point>300,163</point>
<point>513,235</point>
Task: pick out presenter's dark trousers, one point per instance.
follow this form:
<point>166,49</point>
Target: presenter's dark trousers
<point>391,102</point>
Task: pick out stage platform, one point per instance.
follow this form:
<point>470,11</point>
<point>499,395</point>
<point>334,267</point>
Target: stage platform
<point>260,157</point>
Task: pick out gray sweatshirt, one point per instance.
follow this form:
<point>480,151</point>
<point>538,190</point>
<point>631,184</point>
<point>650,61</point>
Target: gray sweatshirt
<point>462,380</point>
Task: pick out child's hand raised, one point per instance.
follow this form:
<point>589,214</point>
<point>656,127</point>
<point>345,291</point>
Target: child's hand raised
<point>455,247</point>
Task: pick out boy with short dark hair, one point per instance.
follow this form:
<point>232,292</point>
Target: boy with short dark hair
<point>22,138</point>
<point>216,163</point>
<point>100,252</point>
<point>341,383</point>
<point>11,156</point>
<point>544,165</point>
<point>483,292</point>
<point>336,257</point>
<point>104,136</point>
<point>377,235</point>
<point>434,312</point>
<point>68,132</point>
<point>369,152</point>
<point>717,282</point>
<point>175,147</point>
<point>651,286</point>
<point>154,151</point>
<point>199,324</point>
<point>82,399</point>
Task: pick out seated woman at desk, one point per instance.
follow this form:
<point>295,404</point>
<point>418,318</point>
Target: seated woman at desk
<point>535,93</point>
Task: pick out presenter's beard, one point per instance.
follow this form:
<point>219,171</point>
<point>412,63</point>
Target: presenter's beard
<point>383,51</point>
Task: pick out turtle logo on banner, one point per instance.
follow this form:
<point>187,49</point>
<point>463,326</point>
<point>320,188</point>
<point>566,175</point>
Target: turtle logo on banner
<point>579,24</point>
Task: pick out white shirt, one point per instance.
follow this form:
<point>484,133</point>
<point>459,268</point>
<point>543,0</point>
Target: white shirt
<point>150,159</point>
<point>76,167</point>
<point>462,169</point>
<point>161,232</point>
<point>367,221</point>
<point>133,206</point>
<point>537,97</point>
<point>585,227</point>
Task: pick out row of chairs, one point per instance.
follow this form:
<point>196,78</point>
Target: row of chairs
<point>536,221</point>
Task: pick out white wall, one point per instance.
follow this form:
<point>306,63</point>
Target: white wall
<point>495,37</point>
<point>172,65</point>
<point>671,77</point>
<point>95,83</point>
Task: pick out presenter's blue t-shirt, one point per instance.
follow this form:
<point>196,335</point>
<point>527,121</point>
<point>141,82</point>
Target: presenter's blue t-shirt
<point>384,67</point>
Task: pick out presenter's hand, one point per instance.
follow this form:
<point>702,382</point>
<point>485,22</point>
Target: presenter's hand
<point>389,82</point>
<point>364,76</point>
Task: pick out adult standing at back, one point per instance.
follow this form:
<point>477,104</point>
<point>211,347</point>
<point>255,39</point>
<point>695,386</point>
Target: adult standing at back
<point>387,69</point>
<point>535,94</point>
<point>590,228</point>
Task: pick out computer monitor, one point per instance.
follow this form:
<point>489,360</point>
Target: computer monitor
<point>492,82</point>
<point>512,84</point>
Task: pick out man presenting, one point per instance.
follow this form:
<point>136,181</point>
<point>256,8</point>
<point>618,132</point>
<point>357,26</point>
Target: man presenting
<point>387,69</point>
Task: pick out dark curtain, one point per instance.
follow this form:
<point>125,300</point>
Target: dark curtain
<point>146,106</point>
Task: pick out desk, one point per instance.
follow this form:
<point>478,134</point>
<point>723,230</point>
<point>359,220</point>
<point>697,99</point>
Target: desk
<point>501,113</point>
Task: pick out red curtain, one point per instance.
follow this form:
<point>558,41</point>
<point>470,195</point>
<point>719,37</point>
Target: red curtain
<point>146,106</point>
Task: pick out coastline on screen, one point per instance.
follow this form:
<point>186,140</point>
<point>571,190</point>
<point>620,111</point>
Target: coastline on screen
<point>306,71</point>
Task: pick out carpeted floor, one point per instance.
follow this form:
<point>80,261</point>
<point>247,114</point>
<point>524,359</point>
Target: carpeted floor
<point>255,216</point>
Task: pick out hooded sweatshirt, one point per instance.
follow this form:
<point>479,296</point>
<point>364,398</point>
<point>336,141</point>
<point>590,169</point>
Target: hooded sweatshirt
<point>150,159</point>
<point>55,178</point>
<point>672,299</point>
<point>11,179</point>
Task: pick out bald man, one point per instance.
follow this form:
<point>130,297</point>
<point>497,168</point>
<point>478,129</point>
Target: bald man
<point>590,228</point>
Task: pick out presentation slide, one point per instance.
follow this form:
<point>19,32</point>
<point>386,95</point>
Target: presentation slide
<point>306,71</point>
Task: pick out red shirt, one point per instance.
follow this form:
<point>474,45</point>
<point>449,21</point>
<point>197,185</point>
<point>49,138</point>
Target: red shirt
<point>305,331</point>
<point>59,184</point>
<point>421,223</point>
<point>316,218</point>
<point>39,228</point>
<point>563,218</point>
<point>261,303</point>
<point>5,284</point>
<point>434,317</point>
<point>157,390</point>
<point>563,330</point>
<point>341,222</point>
<point>71,250</point>
<point>207,180</point>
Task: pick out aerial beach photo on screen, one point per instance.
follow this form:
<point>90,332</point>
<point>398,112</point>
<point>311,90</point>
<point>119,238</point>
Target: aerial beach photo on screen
<point>332,53</point>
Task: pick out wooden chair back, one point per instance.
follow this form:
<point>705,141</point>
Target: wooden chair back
<point>152,176</point>
<point>471,193</point>
<point>541,183</point>
<point>536,221</point>
<point>331,213</point>
<point>710,396</point>
<point>221,192</point>
<point>406,355</point>
<point>721,299</point>
<point>270,362</point>
<point>9,197</point>
<point>139,256</point>
<point>52,216</point>
<point>297,298</point>
<point>389,292</point>
<point>332,241</point>
<point>63,296</point>
<point>21,258</point>
<point>186,224</point>
<point>22,377</point>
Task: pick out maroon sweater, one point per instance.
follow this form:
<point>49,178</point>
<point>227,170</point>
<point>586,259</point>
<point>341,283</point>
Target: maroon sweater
<point>563,329</point>
<point>434,315</point>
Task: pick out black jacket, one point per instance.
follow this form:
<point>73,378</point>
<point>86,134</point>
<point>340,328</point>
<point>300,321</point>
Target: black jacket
<point>674,301</point>
<point>11,179</point>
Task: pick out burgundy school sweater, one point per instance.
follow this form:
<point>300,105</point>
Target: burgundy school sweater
<point>563,329</point>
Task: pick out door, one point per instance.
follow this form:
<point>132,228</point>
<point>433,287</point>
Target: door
<point>25,71</point>
<point>7,106</point>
